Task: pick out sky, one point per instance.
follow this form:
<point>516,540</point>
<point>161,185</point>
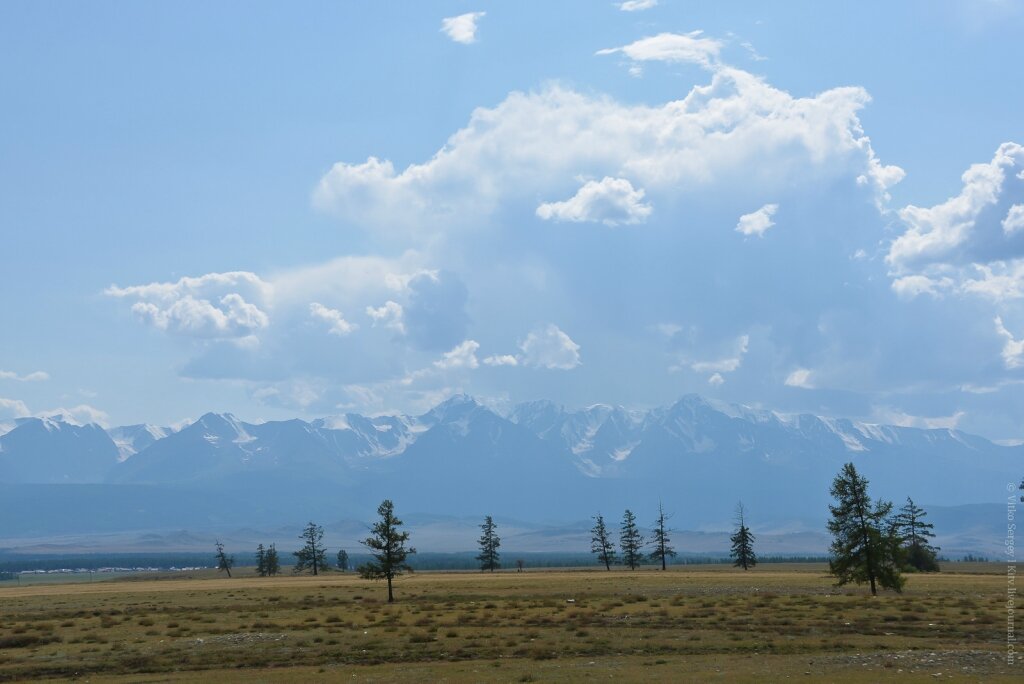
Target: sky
<point>303,209</point>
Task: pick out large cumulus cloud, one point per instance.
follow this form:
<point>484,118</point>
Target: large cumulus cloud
<point>764,263</point>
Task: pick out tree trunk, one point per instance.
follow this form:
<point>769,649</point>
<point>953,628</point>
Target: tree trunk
<point>391,596</point>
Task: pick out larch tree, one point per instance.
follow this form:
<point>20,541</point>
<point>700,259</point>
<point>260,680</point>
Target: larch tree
<point>601,543</point>
<point>489,543</point>
<point>662,550</point>
<point>864,549</point>
<point>630,541</point>
<point>224,561</point>
<point>742,551</point>
<point>916,535</point>
<point>387,547</point>
<point>273,564</point>
<point>312,556</point>
<point>261,561</point>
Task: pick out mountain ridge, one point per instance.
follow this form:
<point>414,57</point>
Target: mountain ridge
<point>537,461</point>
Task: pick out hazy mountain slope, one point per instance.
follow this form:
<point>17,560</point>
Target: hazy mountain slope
<point>49,450</point>
<point>131,439</point>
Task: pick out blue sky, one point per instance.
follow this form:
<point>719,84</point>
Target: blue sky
<point>301,210</point>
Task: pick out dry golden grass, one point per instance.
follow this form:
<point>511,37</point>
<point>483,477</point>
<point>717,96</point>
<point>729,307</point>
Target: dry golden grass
<point>690,623</point>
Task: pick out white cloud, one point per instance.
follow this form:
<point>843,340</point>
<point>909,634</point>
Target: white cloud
<point>13,408</point>
<point>716,380</point>
<point>688,48</point>
<point>230,316</point>
<point>388,314</point>
<point>1013,349</point>
<point>969,245</point>
<point>337,325</point>
<point>912,286</point>
<point>997,281</point>
<point>462,356</point>
<point>1014,220</point>
<point>637,5</point>
<point>82,414</point>
<point>551,348</point>
<point>727,364</point>
<point>736,132</point>
<point>502,360</point>
<point>36,376</point>
<point>462,29</point>
<point>902,419</point>
<point>195,286</point>
<point>801,377</point>
<point>934,233</point>
<point>349,281</point>
<point>199,306</point>
<point>611,201</point>
<point>238,305</point>
<point>756,223</point>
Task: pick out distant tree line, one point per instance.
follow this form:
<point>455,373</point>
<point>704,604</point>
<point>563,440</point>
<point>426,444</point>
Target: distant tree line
<point>870,543</point>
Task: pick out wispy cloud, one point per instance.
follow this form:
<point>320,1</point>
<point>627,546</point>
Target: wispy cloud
<point>637,5</point>
<point>679,48</point>
<point>36,376</point>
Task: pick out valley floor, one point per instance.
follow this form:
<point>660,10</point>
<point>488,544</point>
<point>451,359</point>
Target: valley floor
<point>692,623</point>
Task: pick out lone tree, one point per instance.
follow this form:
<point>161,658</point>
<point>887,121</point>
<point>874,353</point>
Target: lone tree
<point>489,543</point>
<point>742,542</point>
<point>630,541</point>
<point>601,543</point>
<point>662,550</point>
<point>273,564</point>
<point>261,561</point>
<point>342,560</point>
<point>915,534</point>
<point>312,555</point>
<point>863,548</point>
<point>224,561</point>
<point>387,546</point>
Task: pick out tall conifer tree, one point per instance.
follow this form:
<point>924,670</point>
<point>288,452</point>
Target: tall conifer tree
<point>630,541</point>
<point>916,535</point>
<point>489,542</point>
<point>863,547</point>
<point>313,554</point>
<point>601,543</point>
<point>662,551</point>
<point>261,561</point>
<point>387,546</point>
<point>224,561</point>
<point>742,542</point>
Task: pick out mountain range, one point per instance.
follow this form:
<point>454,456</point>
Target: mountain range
<point>539,462</point>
